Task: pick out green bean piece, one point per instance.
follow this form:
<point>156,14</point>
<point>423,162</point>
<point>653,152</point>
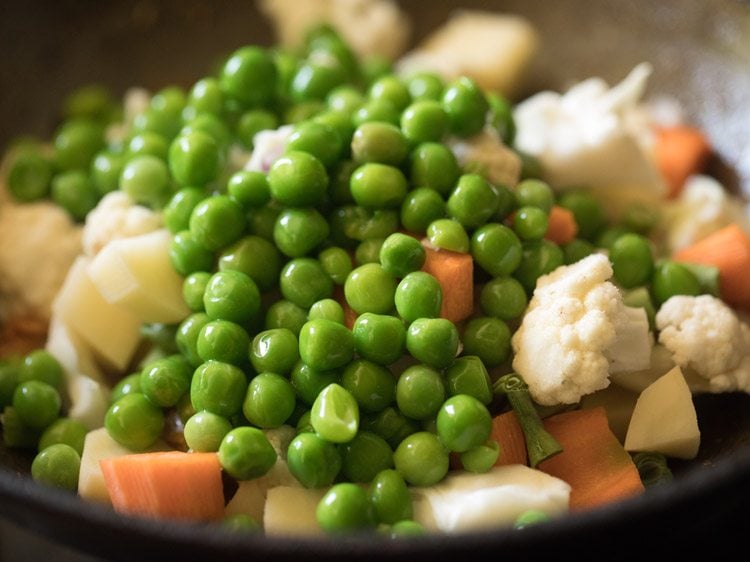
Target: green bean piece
<point>652,468</point>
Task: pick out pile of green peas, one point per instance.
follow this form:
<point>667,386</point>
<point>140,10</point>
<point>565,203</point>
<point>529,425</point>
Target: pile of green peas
<point>309,306</point>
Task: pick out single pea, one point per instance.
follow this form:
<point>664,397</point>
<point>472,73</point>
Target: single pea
<point>576,250</point>
<point>368,251</point>
<point>587,211</point>
<point>193,287</point>
<point>379,142</point>
<point>530,517</point>
<point>378,186</point>
<point>309,382</point>
<point>76,142</point>
<point>73,191</point>
<point>365,456</point>
<point>468,375</point>
<point>391,424</point>
<point>152,120</point>
<point>30,176</point>
<point>217,221</point>
<point>254,256</point>
<point>285,314</point>
<point>274,350</point>
<point>177,211</point>
<point>126,385</point>
<point>316,138</point>
<point>41,365</point>
<point>328,309</point>
<point>535,193</point>
<point>57,465</point>
<point>392,89</point>
<point>303,281</point>
<point>204,431</point>
<point>298,231</point>
<point>506,202</point>
<point>420,391</point>
<point>170,99</point>
<point>472,202</point>
<point>205,96</point>
<point>376,110</point>
<point>134,422</point>
<point>335,414</point>
<point>231,295</point>
<point>608,235</point>
<point>298,179</point>
<point>420,208</point>
<point>313,461</point>
<point>147,143</point>
<point>466,106</point>
<point>194,158</point>
<point>418,295</point>
<point>372,385</point>
<point>530,223</point>
<point>250,76</point>
<point>187,255</point>
<point>379,338</point>
<point>341,123</point>
<point>424,121</point>
<point>503,297</point>
<point>345,507</point>
<point>302,111</point>
<point>187,337</point>
<point>448,234</point>
<point>165,380</point>
<point>432,164</point>
<point>421,459</point>
<point>252,122</point>
<point>425,85</point>
<point>672,278</point>
<point>406,528</point>
<point>240,523</point>
<point>316,77</point>
<point>249,188</point>
<point>640,218</point>
<point>401,254</point>
<point>337,263</point>
<point>225,341</point>
<point>538,258</point>
<point>488,338</point>
<point>219,388</point>
<point>482,458</point>
<point>270,400</point>
<point>370,288</point>
<point>632,260</point>
<point>433,341</point>
<point>354,223</point>
<point>68,431</point>
<point>9,370</point>
<point>16,433</point>
<point>345,98</point>
<point>324,344</point>
<point>501,117</point>
<point>245,453</point>
<point>390,497</point>
<point>463,423</point>
<point>37,403</point>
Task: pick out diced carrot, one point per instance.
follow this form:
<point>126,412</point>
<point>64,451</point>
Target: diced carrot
<point>169,484</point>
<point>729,250</point>
<point>681,151</point>
<point>562,225</point>
<point>455,273</point>
<point>594,463</point>
<point>508,433</point>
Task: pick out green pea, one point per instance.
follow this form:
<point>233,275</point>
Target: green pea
<point>390,497</point>
<point>303,281</point>
<point>576,250</point>
<point>530,223</point>
<point>530,517</point>
<point>270,400</point>
<point>337,263</point>
<point>425,85</point>
<point>376,110</point>
<point>153,120</point>
<point>302,111</point>
<point>418,295</point>
<point>313,461</point>
<point>640,218</point>
<point>535,193</point>
<point>57,465</point>
<point>16,433</point>
<point>147,143</point>
<point>472,202</point>
<point>368,251</point>
<point>180,206</point>
<point>468,375</point>
<point>231,295</point>
<point>309,382</point>
<point>466,106</point>
<point>424,121</point>
<point>9,370</point>
<point>252,122</point>
<point>165,380</point>
<point>345,98</point>
<point>41,365</point>
<point>225,341</point>
<point>254,256</point>
<point>67,431</point>
<point>316,77</point>
<point>379,142</point>
<point>378,186</point>
<point>608,235</point>
<point>187,255</point>
<point>194,158</point>
<point>353,222</point>
<point>420,391</point>
<point>379,338</point>
<point>538,258</point>
<point>76,142</point>
<point>345,507</point>
<point>448,234</point>
<point>30,176</point>
<point>503,297</point>
<point>187,337</point>
<point>432,164</point>
<point>632,260</point>
<point>274,350</point>
<point>420,208</point>
<point>249,188</point>
<point>298,179</point>
<point>401,254</point>
<point>134,422</point>
<point>372,385</point>
<point>335,414</point>
<point>217,221</point>
<point>204,431</point>
<point>37,403</point>
<point>407,528</point>
<point>250,76</point>
<point>245,453</point>
<point>316,138</point>
<point>219,388</point>
<point>391,424</point>
<point>193,287</point>
<point>241,523</point>
<point>433,341</point>
<point>501,117</point>
<point>672,278</point>
<point>496,248</point>
<point>370,288</point>
<point>299,231</point>
<point>285,314</point>
<point>488,338</point>
<point>587,211</point>
<point>365,456</point>
<point>481,458</point>
<point>73,191</point>
<point>205,96</point>
<point>324,344</point>
<point>506,202</point>
<point>328,309</point>
<point>463,423</point>
<point>421,459</point>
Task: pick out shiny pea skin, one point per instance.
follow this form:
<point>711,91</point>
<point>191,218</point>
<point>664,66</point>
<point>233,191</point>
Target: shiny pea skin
<point>325,345</point>
<point>390,497</point>
<point>433,341</point>
<point>468,375</point>
<point>274,350</point>
<point>379,338</point>
<point>421,459</point>
<point>313,461</point>
<point>365,456</point>
<point>335,414</point>
<point>245,453</point>
<point>372,385</point>
<point>463,423</point>
<point>270,400</point>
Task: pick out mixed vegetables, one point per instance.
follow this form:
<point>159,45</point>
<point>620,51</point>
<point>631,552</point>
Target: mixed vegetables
<point>318,292</point>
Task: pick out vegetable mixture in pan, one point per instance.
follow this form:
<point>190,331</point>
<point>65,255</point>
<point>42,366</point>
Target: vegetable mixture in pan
<point>329,288</point>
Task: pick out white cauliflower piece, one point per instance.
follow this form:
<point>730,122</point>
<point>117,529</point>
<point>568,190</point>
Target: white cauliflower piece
<point>703,207</point>
<point>707,338</point>
<point>117,216</point>
<point>268,146</point>
<point>495,50</point>
<point>500,164</point>
<point>135,102</point>
<point>370,27</point>
<point>571,324</point>
<point>594,136</point>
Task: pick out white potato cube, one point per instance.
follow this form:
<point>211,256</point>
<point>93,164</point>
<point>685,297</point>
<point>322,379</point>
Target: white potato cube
<point>290,511</point>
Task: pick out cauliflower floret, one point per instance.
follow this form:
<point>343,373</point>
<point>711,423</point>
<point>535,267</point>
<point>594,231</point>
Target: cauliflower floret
<point>594,136</point>
<point>500,164</point>
<point>708,339</point>
<point>117,216</point>
<point>370,27</point>
<point>563,344</point>
<point>268,147</point>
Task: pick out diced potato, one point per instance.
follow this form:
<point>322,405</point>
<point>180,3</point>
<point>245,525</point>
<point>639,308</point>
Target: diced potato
<point>89,401</point>
<point>290,511</point>
<point>136,273</point>
<point>637,381</point>
<point>618,403</point>
<point>633,342</point>
<point>74,354</point>
<point>664,419</point>
<point>112,332</point>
